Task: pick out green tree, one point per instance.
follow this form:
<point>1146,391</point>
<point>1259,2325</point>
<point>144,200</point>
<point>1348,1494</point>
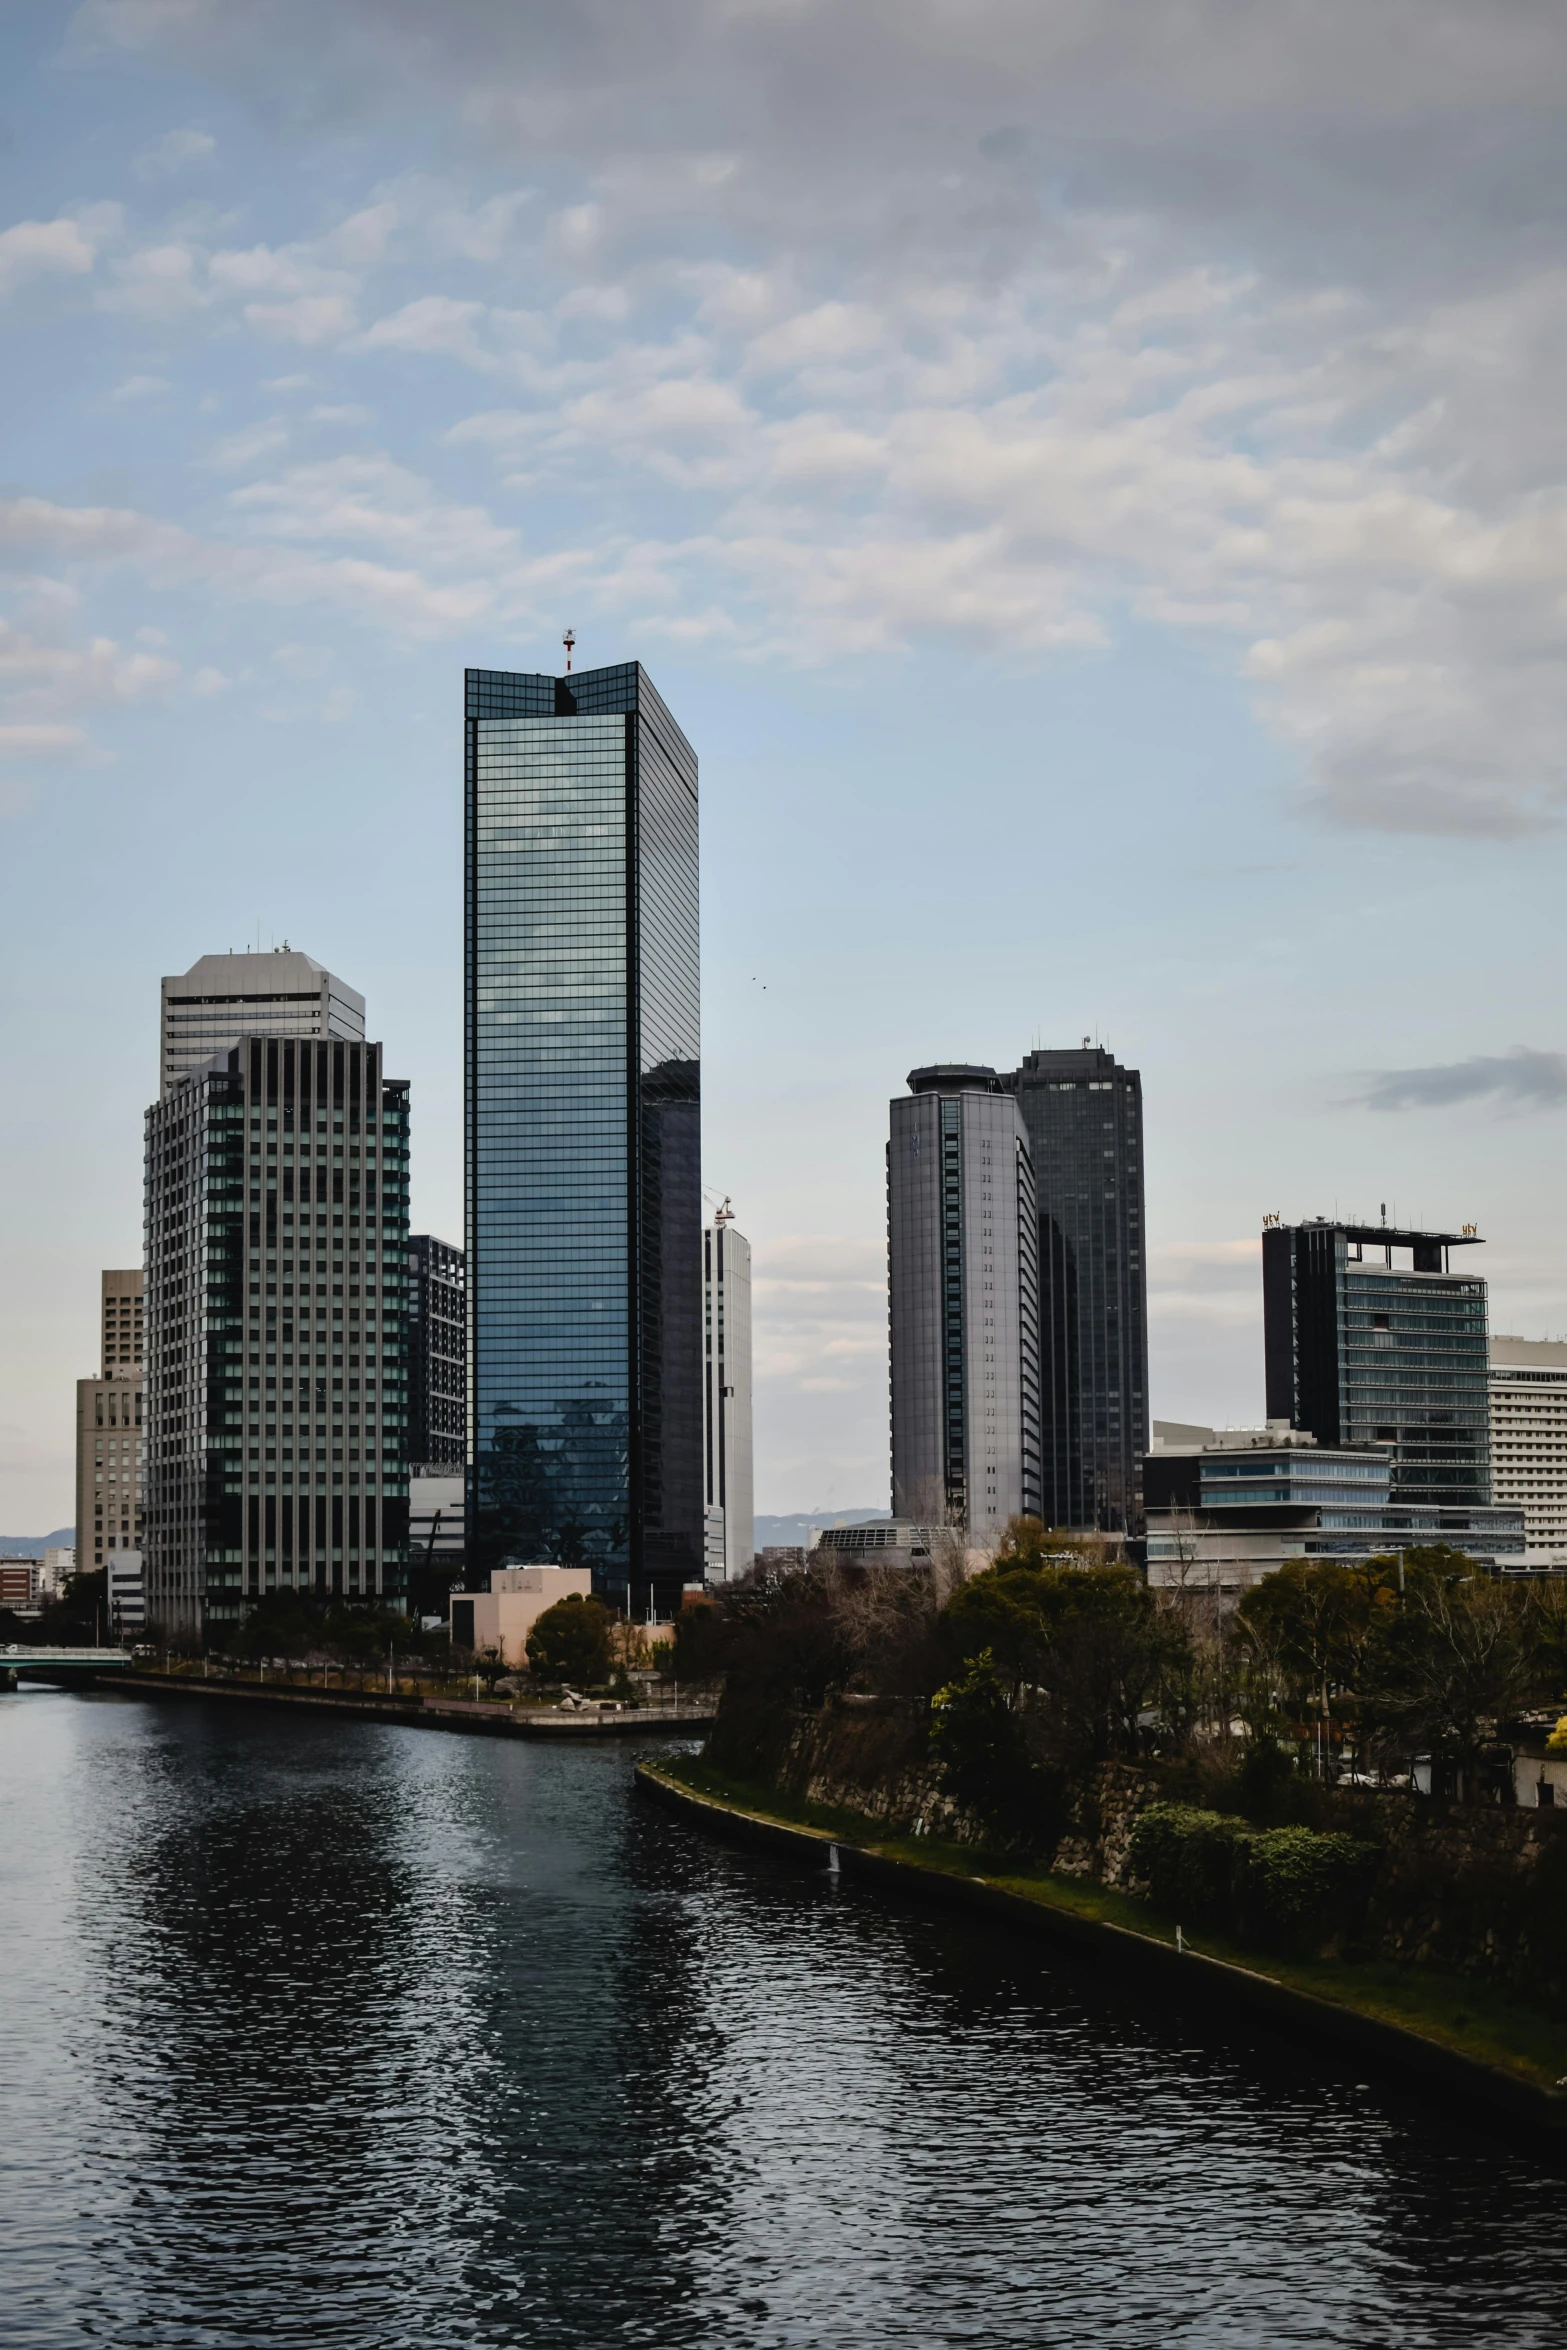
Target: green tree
<point>1451,1663</point>
<point>1306,1628</point>
<point>78,1617</point>
<point>978,1742</point>
<point>1084,1650</point>
<point>571,1642</point>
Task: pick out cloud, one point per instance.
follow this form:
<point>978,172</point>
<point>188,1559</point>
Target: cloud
<point>33,248</point>
<point>356,503</point>
<point>435,324</point>
<point>48,683</point>
<point>157,285</point>
<point>38,742</point>
<point>1521,1079</point>
<point>308,319</point>
<point>139,387</point>
<point>59,673</point>
<point>176,151</point>
<point>1022,324</point>
<point>372,501</point>
<point>246,447</point>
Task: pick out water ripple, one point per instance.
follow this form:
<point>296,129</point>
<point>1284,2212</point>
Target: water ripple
<point>348,2035</point>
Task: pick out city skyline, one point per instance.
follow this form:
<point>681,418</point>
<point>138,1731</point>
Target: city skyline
<point>1104,606</point>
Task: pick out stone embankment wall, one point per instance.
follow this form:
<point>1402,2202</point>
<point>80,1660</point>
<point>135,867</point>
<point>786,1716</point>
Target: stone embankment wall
<point>871,1755</point>
<point>1473,1889</point>
<point>1470,1889</point>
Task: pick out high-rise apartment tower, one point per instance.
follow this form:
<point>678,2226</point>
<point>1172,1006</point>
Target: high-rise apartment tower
<point>1372,1337</point>
<point>437,1355</point>
<point>110,1437</point>
<point>277,1402</point>
<point>1529,1441</point>
<point>224,997</point>
<point>727,1477</point>
<point>963,1285</point>
<point>1083,1114</point>
<point>583,1109</point>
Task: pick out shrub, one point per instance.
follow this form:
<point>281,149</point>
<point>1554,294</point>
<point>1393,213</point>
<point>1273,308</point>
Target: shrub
<point>1302,1886</point>
<point>1188,1858</point>
<point>1284,1887</point>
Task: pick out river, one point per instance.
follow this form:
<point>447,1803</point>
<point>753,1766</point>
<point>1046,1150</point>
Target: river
<point>341,2034</point>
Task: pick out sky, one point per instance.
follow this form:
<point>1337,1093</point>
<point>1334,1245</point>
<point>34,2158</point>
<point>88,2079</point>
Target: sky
<point>1087,475</point>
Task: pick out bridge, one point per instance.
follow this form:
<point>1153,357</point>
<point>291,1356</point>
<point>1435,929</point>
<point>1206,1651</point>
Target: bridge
<point>20,1663</point>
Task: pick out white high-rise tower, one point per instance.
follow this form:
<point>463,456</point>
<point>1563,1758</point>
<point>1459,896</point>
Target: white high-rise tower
<point>728,1490</point>
<point>964,1304</point>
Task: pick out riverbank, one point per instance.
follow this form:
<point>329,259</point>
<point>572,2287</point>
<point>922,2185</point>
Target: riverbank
<point>1439,2032</point>
<point>488,1717</point>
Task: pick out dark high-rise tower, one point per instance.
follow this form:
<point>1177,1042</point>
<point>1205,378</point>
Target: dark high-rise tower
<point>1373,1337</point>
<point>583,1110</point>
<point>437,1355</point>
<point>1084,1116</point>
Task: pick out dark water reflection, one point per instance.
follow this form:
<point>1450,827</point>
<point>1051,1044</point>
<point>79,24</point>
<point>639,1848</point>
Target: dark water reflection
<point>341,2035</point>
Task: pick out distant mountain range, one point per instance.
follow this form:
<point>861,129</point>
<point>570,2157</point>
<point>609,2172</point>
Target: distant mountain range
<point>789,1533</point>
<point>32,1546</point>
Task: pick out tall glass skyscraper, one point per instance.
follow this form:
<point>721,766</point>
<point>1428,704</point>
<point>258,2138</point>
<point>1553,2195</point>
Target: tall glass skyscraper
<point>583,1110</point>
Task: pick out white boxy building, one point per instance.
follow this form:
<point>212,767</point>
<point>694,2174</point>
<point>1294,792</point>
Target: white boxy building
<point>1529,1441</point>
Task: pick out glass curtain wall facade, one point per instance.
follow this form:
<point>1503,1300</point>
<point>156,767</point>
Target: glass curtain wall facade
<point>277,1404</point>
<point>583,1109</point>
<point>1371,1337</point>
<point>1084,1117</point>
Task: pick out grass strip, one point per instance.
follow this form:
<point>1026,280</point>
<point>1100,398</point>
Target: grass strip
<point>1450,2011</point>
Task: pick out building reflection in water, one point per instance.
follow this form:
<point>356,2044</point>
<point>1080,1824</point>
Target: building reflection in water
<point>328,2033</point>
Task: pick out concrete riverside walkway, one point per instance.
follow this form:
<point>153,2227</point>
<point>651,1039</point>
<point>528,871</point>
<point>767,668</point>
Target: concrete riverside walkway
<point>486,1716</point>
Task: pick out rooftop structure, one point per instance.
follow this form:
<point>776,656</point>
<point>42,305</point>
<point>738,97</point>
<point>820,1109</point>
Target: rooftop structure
<point>207,1009</point>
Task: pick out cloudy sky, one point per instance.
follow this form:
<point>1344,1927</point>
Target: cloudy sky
<point>1087,474</point>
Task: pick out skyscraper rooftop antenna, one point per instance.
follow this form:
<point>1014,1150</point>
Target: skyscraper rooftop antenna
<point>568,640</point>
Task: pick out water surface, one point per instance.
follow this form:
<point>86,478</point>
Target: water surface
<point>344,2034</point>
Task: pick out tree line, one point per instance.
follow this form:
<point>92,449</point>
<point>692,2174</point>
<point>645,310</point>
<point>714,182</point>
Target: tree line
<point>1054,1658</point>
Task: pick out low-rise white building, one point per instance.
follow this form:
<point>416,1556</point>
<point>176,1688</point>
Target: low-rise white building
<point>1227,1507</point>
<point>1529,1441</point>
<point>59,1565</point>
<point>502,1617</point>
